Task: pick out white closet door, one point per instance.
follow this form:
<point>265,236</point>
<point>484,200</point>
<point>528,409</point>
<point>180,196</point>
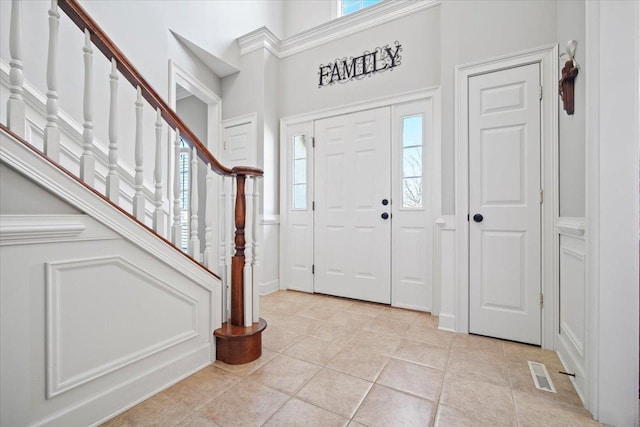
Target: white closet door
<point>504,204</point>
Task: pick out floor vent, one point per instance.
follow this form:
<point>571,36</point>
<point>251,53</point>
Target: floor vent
<point>541,378</point>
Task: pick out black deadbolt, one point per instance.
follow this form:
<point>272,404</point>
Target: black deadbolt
<point>385,202</point>
<point>478,218</point>
<point>385,215</point>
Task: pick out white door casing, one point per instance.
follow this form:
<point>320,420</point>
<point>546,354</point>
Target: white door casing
<point>505,189</point>
<point>547,57</point>
<point>352,177</point>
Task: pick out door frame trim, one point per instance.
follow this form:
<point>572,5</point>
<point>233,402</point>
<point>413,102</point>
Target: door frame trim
<point>178,75</point>
<point>546,56</point>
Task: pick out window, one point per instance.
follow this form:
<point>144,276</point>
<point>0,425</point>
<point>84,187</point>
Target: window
<point>350,6</point>
<point>299,172</point>
<point>185,174</point>
<point>412,162</point>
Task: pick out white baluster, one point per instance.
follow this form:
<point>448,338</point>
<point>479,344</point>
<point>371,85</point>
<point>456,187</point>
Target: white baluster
<point>87,161</point>
<point>51,131</point>
<point>255,241</point>
<point>113,179</point>
<point>176,229</point>
<point>222,261</point>
<point>15,105</point>
<point>138,198</point>
<point>159,217</point>
<point>248,235</point>
<point>194,242</point>
<point>209,260</point>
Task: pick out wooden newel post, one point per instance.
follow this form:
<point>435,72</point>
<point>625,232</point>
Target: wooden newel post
<point>235,342</point>
<point>237,261</point>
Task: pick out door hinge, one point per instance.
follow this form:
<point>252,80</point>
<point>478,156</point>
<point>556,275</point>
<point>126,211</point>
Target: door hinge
<point>467,217</point>
<point>313,206</point>
<point>313,142</point>
<point>540,92</point>
<point>224,144</point>
<point>541,300</point>
<point>541,196</point>
<point>313,269</point>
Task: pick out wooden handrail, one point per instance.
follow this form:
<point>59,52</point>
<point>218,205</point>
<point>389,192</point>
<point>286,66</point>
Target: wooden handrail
<point>99,38</point>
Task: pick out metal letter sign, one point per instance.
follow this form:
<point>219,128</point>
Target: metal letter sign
<point>346,69</point>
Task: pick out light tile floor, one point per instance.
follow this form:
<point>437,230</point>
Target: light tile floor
<point>335,362</point>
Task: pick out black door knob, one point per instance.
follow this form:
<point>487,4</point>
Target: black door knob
<point>385,202</point>
<point>385,215</point>
<point>478,218</point>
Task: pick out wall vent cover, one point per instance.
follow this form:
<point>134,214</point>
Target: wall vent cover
<point>541,378</point>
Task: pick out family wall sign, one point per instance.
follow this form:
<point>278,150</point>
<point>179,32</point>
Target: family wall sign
<point>356,67</point>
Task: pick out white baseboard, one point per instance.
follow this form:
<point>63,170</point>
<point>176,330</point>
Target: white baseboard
<point>447,322</point>
<point>269,287</point>
<point>189,363</point>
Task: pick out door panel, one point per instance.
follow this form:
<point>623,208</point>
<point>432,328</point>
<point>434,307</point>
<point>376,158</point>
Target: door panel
<point>238,145</point>
<point>504,187</point>
<point>412,238</point>
<point>297,246</point>
<point>352,176</point>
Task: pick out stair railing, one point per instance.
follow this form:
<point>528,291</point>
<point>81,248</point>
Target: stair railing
<point>239,340</point>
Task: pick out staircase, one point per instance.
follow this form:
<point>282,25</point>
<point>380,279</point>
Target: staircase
<point>132,294</point>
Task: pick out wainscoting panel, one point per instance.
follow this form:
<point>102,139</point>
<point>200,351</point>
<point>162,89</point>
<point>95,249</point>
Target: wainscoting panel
<point>91,323</point>
<point>572,292</point>
<point>82,297</point>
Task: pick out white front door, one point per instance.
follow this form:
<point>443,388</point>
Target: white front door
<point>504,204</point>
<point>352,178</point>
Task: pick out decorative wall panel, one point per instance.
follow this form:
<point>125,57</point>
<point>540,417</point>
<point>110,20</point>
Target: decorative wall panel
<point>106,313</point>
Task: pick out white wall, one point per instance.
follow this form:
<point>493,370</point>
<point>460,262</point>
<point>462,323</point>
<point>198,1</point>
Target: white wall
<point>270,155</point>
<point>419,35</point>
<point>478,30</point>
<point>571,141</point>
<point>212,25</point>
<point>13,198</point>
<point>194,114</point>
<point>300,15</point>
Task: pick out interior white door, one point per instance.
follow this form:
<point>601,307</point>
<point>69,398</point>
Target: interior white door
<point>504,204</point>
<point>352,177</point>
<point>238,145</point>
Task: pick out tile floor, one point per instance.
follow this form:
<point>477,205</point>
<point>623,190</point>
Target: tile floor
<point>335,362</point>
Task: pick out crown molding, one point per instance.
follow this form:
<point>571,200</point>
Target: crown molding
<point>262,38</point>
<point>335,29</point>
